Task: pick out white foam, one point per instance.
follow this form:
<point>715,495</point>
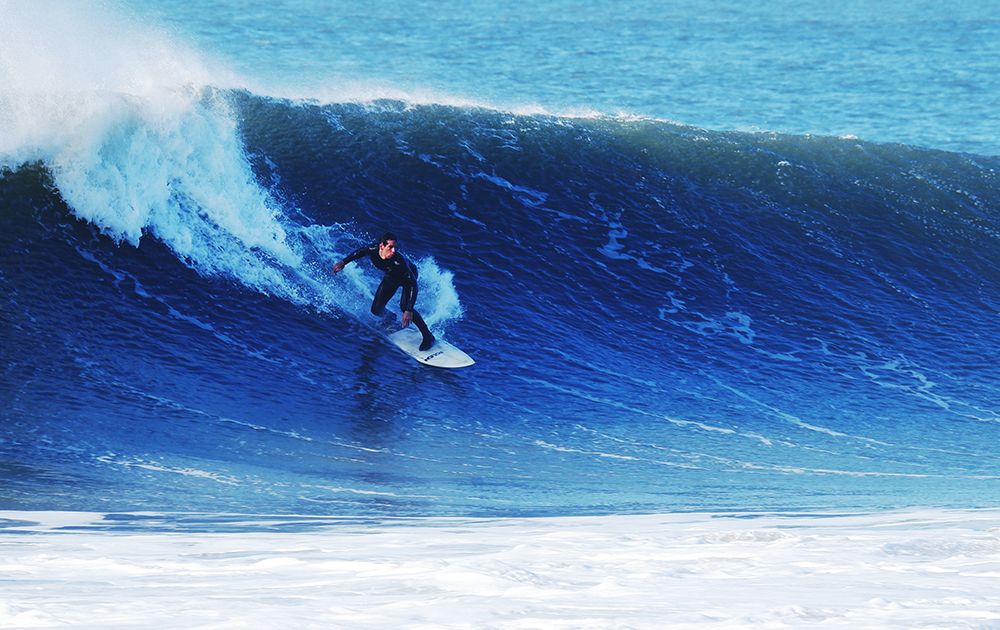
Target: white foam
<point>140,141</point>
<point>437,289</point>
<point>134,139</point>
<point>916,568</point>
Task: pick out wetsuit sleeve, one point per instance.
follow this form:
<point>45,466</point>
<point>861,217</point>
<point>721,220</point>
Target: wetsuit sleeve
<point>357,254</point>
<point>409,282</point>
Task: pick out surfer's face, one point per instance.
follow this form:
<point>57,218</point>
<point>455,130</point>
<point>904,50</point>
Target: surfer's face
<point>386,249</point>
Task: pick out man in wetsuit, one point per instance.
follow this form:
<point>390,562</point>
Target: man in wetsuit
<point>399,272</point>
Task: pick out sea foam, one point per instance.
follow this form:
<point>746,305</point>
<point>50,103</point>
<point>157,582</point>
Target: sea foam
<point>903,569</point>
<point>135,136</point>
<point>140,139</point>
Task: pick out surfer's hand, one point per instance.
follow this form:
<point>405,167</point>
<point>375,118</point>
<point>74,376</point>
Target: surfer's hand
<point>338,267</point>
<point>407,316</point>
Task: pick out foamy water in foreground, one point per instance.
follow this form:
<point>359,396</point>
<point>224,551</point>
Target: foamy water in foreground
<point>900,569</point>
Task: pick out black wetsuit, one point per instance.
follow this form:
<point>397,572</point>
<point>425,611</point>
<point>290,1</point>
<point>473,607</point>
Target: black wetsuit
<point>399,272</point>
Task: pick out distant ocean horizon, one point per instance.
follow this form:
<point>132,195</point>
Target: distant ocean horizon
<point>920,73</point>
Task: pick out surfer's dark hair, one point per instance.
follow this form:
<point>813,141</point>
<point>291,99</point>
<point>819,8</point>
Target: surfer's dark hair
<point>388,236</point>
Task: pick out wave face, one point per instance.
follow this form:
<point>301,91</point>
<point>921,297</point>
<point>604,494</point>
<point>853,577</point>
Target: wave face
<point>664,318</point>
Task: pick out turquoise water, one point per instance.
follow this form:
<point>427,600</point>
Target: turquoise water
<point>922,72</point>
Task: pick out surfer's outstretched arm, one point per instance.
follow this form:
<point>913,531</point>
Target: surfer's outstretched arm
<point>337,268</point>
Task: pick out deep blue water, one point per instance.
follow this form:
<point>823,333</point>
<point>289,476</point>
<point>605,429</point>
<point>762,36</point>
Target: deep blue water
<point>664,316</point>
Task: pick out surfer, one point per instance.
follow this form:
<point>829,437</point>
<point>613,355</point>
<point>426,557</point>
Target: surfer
<point>399,272</point>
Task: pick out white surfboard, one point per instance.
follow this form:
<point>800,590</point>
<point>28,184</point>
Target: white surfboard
<point>442,354</point>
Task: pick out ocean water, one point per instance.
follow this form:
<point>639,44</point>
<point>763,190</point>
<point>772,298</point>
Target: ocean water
<point>710,259</point>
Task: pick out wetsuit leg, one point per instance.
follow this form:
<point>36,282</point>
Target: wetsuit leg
<point>422,326</point>
<point>383,294</point>
<point>410,297</point>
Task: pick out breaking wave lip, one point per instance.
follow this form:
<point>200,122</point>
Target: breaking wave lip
<point>376,96</point>
<point>181,174</point>
<point>137,142</point>
<point>134,139</point>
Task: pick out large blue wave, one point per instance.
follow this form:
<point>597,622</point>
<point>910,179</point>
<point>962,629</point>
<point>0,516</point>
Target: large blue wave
<point>663,317</point>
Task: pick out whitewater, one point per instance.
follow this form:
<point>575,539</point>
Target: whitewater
<point>729,275</point>
<point>897,569</point>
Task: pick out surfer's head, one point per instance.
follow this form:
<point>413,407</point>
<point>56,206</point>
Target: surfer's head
<point>387,246</point>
